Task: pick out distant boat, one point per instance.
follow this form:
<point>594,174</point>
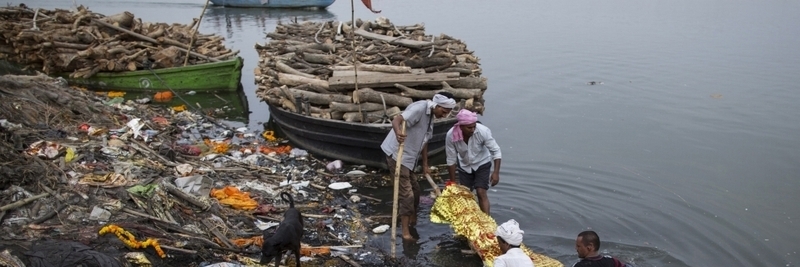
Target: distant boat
<point>353,142</point>
<point>274,3</point>
<point>213,76</point>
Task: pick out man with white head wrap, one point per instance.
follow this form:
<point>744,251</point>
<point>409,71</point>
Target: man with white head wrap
<point>509,237</point>
<point>472,150</point>
<point>419,129</point>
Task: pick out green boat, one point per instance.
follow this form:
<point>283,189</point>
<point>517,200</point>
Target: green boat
<point>214,76</point>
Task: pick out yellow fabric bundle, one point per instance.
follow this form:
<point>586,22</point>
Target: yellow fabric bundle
<point>235,198</point>
<point>457,207</point>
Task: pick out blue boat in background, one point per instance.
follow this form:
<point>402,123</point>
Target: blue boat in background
<point>274,3</point>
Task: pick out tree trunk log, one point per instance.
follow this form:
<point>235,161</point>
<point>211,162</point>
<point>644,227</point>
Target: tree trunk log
<point>319,58</point>
<point>289,70</point>
<point>321,99</point>
<point>295,80</point>
<point>372,116</point>
<point>376,67</point>
<point>369,95</point>
<point>352,107</point>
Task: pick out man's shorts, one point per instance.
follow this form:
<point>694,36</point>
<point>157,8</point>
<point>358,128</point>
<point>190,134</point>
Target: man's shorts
<point>478,178</point>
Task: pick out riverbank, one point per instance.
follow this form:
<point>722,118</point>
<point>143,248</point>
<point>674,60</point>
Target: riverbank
<point>125,183</point>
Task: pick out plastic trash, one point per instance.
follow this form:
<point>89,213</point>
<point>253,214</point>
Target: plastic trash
<point>380,229</point>
<point>99,214</point>
<point>340,185</point>
<point>334,166</point>
<point>296,152</point>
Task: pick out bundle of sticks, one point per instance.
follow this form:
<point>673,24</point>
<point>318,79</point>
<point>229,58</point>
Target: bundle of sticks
<point>84,43</point>
<point>334,70</point>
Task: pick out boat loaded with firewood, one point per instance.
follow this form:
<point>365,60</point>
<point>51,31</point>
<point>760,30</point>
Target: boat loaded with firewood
<point>325,105</point>
<point>274,3</point>
<point>117,52</point>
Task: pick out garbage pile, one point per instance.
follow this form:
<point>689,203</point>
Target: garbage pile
<point>84,43</point>
<point>100,181</point>
<point>309,68</point>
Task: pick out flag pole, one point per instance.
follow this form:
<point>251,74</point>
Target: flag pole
<point>355,62</point>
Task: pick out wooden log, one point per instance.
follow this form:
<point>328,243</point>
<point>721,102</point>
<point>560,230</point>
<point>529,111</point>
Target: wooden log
<point>470,82</point>
<point>23,202</point>
<point>183,195</point>
<point>388,80</point>
<point>369,95</point>
<point>296,80</point>
<point>426,62</point>
<point>330,48</point>
<point>282,67</point>
<point>461,93</point>
<point>124,19</point>
<point>321,99</point>
<point>372,116</point>
<point>65,45</point>
<point>312,88</point>
<point>376,68</point>
<point>392,40</point>
<point>169,41</point>
<point>353,107</point>
<point>319,58</point>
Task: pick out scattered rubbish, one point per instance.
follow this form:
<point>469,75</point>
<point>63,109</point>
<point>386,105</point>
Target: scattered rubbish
<point>339,185</point>
<point>381,229</point>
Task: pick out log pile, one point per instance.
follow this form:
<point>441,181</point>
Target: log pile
<point>309,68</point>
<point>84,43</point>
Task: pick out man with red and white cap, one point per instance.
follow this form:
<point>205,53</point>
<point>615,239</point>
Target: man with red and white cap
<point>471,149</point>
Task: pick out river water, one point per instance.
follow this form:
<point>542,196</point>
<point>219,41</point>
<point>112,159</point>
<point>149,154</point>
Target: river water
<point>685,152</point>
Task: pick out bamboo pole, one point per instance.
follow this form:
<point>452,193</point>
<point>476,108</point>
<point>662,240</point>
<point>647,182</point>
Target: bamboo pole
<point>194,33</point>
<point>399,166</point>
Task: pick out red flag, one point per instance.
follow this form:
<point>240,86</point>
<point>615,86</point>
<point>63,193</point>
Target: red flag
<point>368,4</point>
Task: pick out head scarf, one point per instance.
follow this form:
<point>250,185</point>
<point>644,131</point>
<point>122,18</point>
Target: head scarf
<point>464,117</point>
<point>443,101</point>
<point>510,232</point>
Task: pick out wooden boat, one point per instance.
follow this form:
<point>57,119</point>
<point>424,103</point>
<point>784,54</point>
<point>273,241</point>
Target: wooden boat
<point>274,3</point>
<point>214,76</point>
<point>358,143</point>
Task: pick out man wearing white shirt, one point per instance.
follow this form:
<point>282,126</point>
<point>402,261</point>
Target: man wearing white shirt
<point>471,149</point>
<point>509,238</point>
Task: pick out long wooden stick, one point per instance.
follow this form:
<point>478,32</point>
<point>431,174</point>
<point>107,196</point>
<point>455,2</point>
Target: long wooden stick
<point>194,34</point>
<point>397,168</point>
<point>433,184</point>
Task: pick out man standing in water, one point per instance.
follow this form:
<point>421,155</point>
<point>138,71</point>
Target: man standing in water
<point>471,146</point>
<point>419,129</point>
<point>587,245</point>
<point>509,238</point>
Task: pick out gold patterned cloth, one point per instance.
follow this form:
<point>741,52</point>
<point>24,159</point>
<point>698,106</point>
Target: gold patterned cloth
<point>457,207</point>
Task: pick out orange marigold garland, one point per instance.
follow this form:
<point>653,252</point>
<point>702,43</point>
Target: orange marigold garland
<point>129,240</point>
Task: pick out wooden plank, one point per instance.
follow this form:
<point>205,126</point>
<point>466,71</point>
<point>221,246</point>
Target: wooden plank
<point>394,40</point>
<point>217,234</point>
<point>388,80</point>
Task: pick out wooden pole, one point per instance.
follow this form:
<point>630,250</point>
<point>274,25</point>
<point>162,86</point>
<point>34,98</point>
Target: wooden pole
<point>397,168</point>
<point>194,33</point>
<point>355,62</point>
<point>433,185</point>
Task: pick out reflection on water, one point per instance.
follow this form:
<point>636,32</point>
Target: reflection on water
<point>229,106</point>
<point>232,18</point>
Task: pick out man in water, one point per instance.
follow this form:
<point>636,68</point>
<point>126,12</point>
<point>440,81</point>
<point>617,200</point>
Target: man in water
<point>418,118</point>
<point>509,237</point>
<point>471,149</point>
<point>587,245</point>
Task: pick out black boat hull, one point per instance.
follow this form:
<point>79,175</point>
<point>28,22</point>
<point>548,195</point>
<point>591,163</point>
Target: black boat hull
<point>357,143</point>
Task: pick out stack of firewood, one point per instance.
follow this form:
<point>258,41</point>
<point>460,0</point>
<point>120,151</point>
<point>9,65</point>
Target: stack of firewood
<point>83,43</point>
<point>336,71</point>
